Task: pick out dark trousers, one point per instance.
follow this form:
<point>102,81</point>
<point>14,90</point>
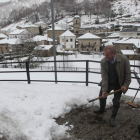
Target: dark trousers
<point>116,99</point>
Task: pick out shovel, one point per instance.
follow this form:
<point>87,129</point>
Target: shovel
<point>131,103</point>
<point>106,95</point>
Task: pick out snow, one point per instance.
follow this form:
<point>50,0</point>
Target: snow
<point>128,52</point>
<point>88,36</point>
<point>3,36</point>
<point>18,31</point>
<point>10,41</point>
<point>40,38</point>
<point>67,33</point>
<point>4,1</point>
<point>134,41</point>
<point>43,47</point>
<point>28,111</point>
<point>56,28</point>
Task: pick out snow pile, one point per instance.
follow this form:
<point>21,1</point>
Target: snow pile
<point>27,111</point>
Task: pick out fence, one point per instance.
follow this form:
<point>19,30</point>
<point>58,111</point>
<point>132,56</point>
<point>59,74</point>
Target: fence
<point>48,69</point>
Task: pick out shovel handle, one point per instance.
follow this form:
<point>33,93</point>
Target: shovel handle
<point>106,95</point>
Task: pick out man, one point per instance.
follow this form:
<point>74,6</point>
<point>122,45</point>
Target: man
<point>116,74</point>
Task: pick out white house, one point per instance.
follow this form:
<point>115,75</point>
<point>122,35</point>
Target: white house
<point>20,34</point>
<point>67,40</point>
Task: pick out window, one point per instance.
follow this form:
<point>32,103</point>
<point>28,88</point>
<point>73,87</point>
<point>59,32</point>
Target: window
<point>62,40</point>
<point>138,33</point>
<point>76,21</point>
<point>66,40</point>
<point>89,31</point>
<point>95,49</point>
<point>71,46</point>
<point>127,48</point>
<point>77,32</point>
<point>71,40</point>
<point>89,43</point>
<point>94,42</point>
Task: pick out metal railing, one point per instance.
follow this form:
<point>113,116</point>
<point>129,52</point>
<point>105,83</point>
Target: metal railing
<point>85,70</point>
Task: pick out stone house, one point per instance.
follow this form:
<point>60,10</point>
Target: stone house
<point>67,40</point>
<point>89,42</point>
<point>58,32</point>
<point>22,34</point>
<point>41,24</point>
<point>43,40</point>
<point>44,50</point>
<point>34,29</point>
<point>131,32</point>
<point>10,44</point>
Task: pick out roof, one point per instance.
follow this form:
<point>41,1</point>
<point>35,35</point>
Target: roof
<point>27,26</point>
<point>133,29</point>
<point>3,36</point>
<point>18,31</point>
<point>40,38</point>
<point>67,33</point>
<point>88,36</point>
<point>134,41</point>
<point>128,52</point>
<point>76,16</point>
<point>10,41</point>
<point>41,22</point>
<point>56,28</point>
<point>43,47</point>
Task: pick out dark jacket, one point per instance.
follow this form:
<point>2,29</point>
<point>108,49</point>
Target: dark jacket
<point>123,71</point>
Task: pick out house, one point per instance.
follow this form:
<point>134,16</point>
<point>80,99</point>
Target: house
<point>10,44</point>
<point>43,40</point>
<point>67,40</point>
<point>2,36</point>
<point>58,32</point>
<point>99,30</point>
<point>34,29</point>
<point>130,54</point>
<point>22,34</point>
<point>131,32</point>
<point>44,50</point>
<point>129,47</point>
<point>41,24</point>
<point>89,42</point>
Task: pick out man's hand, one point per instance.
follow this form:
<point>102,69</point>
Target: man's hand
<point>123,88</point>
<point>104,93</point>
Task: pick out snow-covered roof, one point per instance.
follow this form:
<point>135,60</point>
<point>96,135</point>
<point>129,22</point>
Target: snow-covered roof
<point>27,26</point>
<point>40,38</point>
<point>128,52</point>
<point>43,47</point>
<point>18,31</point>
<point>88,36</point>
<point>114,35</point>
<point>77,16</point>
<point>134,41</point>
<point>3,36</point>
<point>67,33</point>
<point>56,28</point>
<point>41,22</point>
<point>10,41</point>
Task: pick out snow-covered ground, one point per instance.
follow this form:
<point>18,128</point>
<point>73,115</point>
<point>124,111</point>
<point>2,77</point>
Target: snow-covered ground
<point>28,110</point>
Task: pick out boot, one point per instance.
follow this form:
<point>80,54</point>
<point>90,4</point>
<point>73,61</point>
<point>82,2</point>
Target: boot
<point>102,107</point>
<point>113,116</point>
<point>100,110</point>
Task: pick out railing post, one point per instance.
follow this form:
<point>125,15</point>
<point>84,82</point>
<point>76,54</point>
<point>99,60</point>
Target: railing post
<point>28,74</point>
<point>86,72</point>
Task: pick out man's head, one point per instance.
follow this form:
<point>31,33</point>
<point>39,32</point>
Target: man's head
<point>109,52</point>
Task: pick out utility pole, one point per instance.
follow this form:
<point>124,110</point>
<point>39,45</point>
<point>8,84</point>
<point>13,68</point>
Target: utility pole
<point>53,36</point>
